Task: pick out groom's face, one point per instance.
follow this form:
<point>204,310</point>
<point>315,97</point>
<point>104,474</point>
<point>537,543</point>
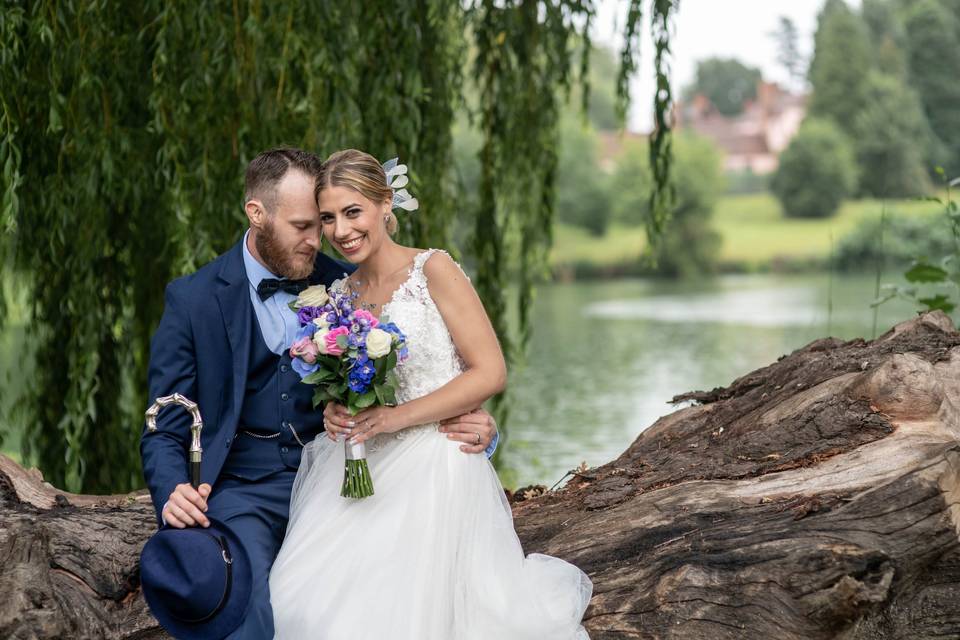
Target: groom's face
<point>288,235</point>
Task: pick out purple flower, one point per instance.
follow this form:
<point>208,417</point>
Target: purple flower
<point>306,314</point>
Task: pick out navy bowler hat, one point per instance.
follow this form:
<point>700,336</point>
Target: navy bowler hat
<point>197,581</point>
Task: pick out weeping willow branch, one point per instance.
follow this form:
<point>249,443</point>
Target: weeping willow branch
<point>139,119</point>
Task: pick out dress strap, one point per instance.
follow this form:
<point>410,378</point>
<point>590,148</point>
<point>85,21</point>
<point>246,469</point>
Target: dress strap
<point>421,258</point>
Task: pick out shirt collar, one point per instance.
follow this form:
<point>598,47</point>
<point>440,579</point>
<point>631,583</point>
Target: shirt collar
<point>255,271</point>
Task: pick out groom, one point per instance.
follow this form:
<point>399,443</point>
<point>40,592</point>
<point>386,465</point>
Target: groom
<point>223,342</point>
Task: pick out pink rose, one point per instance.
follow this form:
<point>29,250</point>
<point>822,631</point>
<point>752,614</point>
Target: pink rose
<point>330,341</point>
<point>305,349</point>
<point>363,314</point>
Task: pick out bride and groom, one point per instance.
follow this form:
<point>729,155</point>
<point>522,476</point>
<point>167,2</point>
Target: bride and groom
<point>267,547</point>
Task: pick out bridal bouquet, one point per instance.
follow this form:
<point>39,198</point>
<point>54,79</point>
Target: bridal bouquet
<point>349,356</point>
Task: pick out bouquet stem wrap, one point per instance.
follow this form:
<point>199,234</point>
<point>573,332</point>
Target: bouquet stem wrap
<point>357,482</point>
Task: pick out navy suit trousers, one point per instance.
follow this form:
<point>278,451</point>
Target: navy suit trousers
<point>258,512</point>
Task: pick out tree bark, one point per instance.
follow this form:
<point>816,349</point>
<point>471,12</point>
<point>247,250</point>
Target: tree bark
<point>818,497</point>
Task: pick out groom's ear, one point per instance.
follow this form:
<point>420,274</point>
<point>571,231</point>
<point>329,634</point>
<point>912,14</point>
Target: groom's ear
<point>255,212</point>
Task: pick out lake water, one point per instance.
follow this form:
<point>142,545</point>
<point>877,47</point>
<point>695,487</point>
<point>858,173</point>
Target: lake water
<point>606,357</point>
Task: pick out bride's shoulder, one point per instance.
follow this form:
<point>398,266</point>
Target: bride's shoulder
<point>444,278</point>
<point>437,263</point>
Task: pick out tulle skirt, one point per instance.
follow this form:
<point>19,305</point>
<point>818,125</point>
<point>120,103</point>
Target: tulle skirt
<point>431,556</point>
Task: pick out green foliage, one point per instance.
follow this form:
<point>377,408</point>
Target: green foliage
<point>690,245</point>
<point>139,119</point>
<point>583,195</point>
<point>934,65</point>
<point>841,61</point>
<point>816,172</point>
<point>788,49</point>
<point>661,151</point>
<point>727,82</point>
<point>892,242</point>
<point>927,272</point>
<point>890,134</point>
<point>887,36</point>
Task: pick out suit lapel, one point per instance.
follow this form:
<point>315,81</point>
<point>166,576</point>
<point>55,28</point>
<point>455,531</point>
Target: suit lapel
<point>233,297</point>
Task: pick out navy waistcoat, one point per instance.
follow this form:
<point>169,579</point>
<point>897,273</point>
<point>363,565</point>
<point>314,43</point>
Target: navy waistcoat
<point>274,402</point>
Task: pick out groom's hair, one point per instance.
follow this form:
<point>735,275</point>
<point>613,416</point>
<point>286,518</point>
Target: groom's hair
<point>266,171</point>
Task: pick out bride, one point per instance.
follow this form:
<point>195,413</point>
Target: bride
<point>433,554</point>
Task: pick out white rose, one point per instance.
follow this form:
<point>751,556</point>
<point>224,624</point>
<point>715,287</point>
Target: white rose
<point>321,323</point>
<point>315,296</point>
<point>378,343</point>
<point>319,339</point>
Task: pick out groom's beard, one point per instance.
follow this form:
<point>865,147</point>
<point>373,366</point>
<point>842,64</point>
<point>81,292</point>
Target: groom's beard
<point>279,259</point>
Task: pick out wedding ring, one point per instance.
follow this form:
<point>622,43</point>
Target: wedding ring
<point>478,438</point>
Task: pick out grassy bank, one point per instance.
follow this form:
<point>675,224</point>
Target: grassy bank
<point>756,236</point>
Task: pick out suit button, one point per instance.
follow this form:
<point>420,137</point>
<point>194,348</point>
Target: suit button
<point>284,449</point>
<point>228,442</point>
<point>284,396</point>
<point>284,368</point>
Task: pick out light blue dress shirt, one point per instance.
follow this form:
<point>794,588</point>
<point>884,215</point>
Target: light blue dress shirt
<point>278,324</point>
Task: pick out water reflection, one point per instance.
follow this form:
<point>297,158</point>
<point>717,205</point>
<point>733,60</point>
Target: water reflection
<point>605,358</point>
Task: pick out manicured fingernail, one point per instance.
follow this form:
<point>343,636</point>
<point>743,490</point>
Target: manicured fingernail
<point>351,423</point>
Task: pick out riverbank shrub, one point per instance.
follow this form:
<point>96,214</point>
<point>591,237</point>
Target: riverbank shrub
<point>817,171</point>
<point>892,242</point>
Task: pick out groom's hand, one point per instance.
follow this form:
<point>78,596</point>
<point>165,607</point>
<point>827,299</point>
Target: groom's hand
<point>186,506</point>
<point>475,430</point>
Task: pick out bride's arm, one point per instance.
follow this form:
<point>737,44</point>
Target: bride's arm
<point>473,335</point>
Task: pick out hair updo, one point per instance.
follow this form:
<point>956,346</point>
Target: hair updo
<point>361,172</point>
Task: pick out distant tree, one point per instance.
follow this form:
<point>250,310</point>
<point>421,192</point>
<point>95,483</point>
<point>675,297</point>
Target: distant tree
<point>891,136</point>
<point>934,63</point>
<point>583,195</point>
<point>817,171</point>
<point>788,50</point>
<point>842,59</point>
<point>887,36</point>
<point>727,82</point>
<point>690,245</point>
<point>602,106</point>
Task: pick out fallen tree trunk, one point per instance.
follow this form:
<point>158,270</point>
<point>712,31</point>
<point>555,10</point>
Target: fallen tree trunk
<point>818,497</point>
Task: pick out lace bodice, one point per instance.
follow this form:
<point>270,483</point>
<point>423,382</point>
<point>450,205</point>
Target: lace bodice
<point>433,358</point>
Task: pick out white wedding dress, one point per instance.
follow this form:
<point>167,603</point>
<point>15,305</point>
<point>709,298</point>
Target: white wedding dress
<point>433,554</point>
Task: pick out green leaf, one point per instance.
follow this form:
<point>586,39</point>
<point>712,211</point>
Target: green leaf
<point>342,342</point>
<point>318,376</point>
<point>924,272</point>
<point>388,395</point>
<point>938,301</point>
<point>320,396</point>
<point>367,399</point>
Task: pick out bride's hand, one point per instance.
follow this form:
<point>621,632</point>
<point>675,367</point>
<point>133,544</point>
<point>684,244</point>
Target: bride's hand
<point>370,422</point>
<point>338,421</point>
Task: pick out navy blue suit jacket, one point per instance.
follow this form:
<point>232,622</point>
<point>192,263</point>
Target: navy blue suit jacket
<point>200,349</point>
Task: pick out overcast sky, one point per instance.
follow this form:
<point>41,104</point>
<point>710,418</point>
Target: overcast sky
<point>705,28</point>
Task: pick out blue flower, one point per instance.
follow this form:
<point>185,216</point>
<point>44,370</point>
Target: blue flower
<point>306,331</point>
<point>302,368</point>
<point>393,329</point>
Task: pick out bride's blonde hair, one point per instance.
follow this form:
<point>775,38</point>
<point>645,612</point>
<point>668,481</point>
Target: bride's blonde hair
<point>361,172</point>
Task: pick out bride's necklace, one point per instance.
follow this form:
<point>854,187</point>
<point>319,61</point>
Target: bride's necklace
<point>358,286</point>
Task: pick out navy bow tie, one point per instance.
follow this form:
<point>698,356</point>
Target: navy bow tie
<point>269,286</point>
